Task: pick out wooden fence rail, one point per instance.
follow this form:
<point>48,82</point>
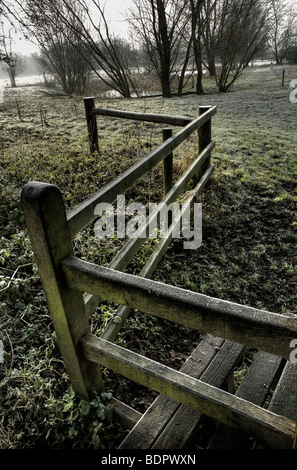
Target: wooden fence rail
<point>83,215</point>
<point>211,401</point>
<point>92,112</point>
<point>74,288</point>
<point>259,329</point>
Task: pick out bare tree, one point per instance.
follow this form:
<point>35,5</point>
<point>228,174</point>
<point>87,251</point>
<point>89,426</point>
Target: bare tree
<point>211,14</point>
<point>160,26</point>
<point>2,53</point>
<point>292,51</point>
<point>106,50</point>
<point>62,53</point>
<point>242,34</point>
<point>187,54</point>
<point>13,62</point>
<point>195,7</point>
<point>62,61</point>
<point>281,29</point>
<point>84,26</point>
<point>4,14</point>
<point>14,65</point>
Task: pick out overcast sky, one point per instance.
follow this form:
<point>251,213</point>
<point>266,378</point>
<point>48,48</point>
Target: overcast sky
<point>114,10</point>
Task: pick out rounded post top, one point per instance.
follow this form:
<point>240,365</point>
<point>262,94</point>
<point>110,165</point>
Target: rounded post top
<point>35,189</point>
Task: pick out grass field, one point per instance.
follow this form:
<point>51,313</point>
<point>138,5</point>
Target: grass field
<point>248,255</point>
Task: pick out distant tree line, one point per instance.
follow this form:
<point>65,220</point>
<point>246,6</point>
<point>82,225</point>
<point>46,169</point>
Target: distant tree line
<point>172,40</point>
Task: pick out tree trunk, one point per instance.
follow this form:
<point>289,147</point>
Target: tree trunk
<point>165,80</point>
<point>184,69</point>
<point>12,78</point>
<point>211,63</point>
<point>198,62</point>
<point>164,49</point>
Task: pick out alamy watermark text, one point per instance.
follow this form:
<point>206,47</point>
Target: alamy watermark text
<point>132,221</point>
<point>293,94</point>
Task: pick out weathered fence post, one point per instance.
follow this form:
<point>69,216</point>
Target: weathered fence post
<point>167,164</point>
<point>204,138</point>
<point>91,124</point>
<point>295,440</point>
<point>49,234</point>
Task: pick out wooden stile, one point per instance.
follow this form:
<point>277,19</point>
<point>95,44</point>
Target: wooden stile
<point>74,288</point>
<point>47,225</point>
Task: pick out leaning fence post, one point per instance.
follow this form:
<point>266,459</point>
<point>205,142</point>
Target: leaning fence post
<point>91,124</point>
<point>204,138</point>
<point>167,164</point>
<point>49,234</point>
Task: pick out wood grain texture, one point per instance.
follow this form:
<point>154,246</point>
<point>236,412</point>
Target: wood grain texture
<point>48,230</point>
<point>259,329</point>
<point>275,430</point>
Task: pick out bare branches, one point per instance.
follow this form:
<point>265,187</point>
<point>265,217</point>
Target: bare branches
<point>62,54</point>
<point>160,26</point>
<point>282,28</point>
<point>4,14</point>
<point>87,33</point>
<point>14,64</point>
<point>221,35</point>
<point>241,34</point>
<point>109,63</point>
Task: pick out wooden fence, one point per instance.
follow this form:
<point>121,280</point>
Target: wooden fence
<point>74,288</point>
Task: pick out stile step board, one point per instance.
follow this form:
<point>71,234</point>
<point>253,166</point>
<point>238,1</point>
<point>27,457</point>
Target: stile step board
<point>254,388</point>
<point>143,435</point>
<point>167,423</point>
<point>124,414</point>
<point>283,401</point>
<point>181,427</point>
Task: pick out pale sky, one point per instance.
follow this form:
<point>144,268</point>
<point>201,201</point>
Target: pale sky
<point>114,10</point>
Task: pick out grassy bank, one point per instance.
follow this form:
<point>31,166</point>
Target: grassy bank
<point>248,253</point>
